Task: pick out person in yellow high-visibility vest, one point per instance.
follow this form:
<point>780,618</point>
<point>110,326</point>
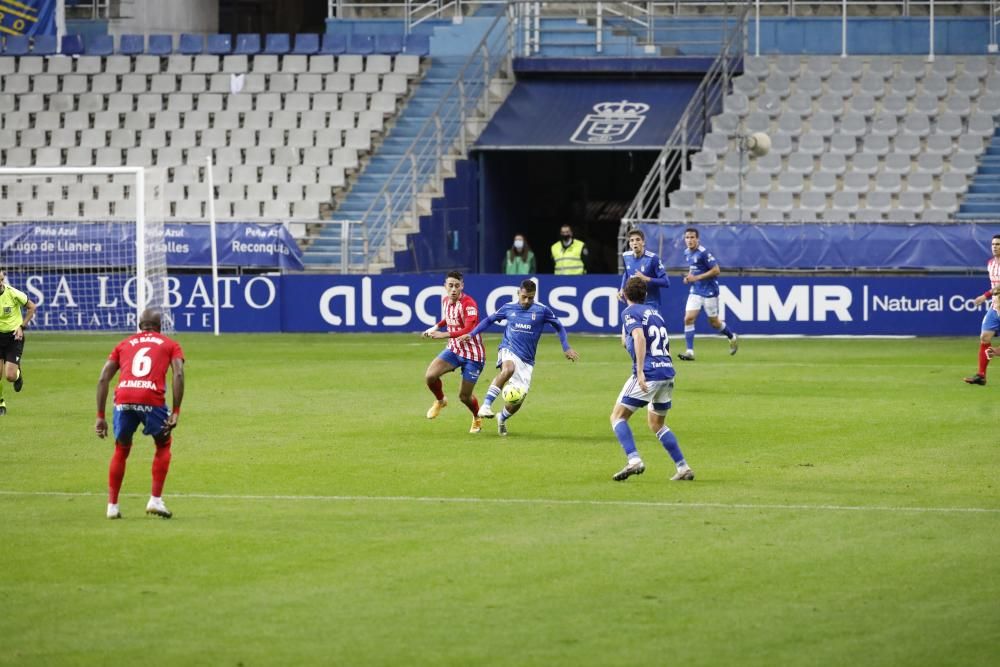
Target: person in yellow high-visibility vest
<point>568,254</point>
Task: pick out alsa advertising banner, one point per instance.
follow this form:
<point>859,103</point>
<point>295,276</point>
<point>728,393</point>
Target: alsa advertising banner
<point>818,306</point>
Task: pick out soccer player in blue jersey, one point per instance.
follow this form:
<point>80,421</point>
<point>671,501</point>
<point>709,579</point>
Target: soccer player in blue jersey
<point>645,265</point>
<point>703,277</point>
<point>652,383</point>
<point>516,354</point>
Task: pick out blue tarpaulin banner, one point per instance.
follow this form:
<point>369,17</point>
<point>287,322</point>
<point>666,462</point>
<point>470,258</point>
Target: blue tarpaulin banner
<point>805,305</point>
<point>28,17</point>
<point>812,245</point>
<point>588,114</point>
<point>113,244</point>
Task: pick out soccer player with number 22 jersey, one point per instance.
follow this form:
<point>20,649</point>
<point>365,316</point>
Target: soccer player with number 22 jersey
<point>652,383</point>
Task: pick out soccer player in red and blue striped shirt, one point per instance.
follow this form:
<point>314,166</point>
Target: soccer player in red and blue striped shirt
<point>991,321</point>
<point>461,315</point>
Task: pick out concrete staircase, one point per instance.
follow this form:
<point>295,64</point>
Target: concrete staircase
<point>450,49</point>
<point>982,200</point>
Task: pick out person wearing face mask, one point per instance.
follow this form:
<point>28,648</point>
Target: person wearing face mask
<point>519,259</point>
<point>568,254</point>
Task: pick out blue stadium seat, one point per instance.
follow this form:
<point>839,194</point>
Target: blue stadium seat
<point>191,45</point>
<point>247,44</point>
<point>278,43</point>
<point>333,44</point>
<point>132,45</point>
<point>418,45</point>
<point>17,45</point>
<point>361,44</point>
<point>45,45</point>
<point>306,43</point>
<point>389,44</point>
<point>99,45</point>
<point>219,44</point>
<point>160,45</point>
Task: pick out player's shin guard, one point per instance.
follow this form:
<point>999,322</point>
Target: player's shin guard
<point>436,388</point>
<point>625,437</point>
<point>669,442</point>
<point>116,471</point>
<point>689,336</point>
<point>161,464</point>
<point>984,358</point>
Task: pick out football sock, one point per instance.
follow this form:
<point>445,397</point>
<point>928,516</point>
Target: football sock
<point>669,442</point>
<point>689,336</point>
<point>726,331</point>
<point>473,406</point>
<point>983,359</point>
<point>436,389</point>
<point>491,395</point>
<point>161,464</point>
<point>504,415</point>
<point>624,435</point>
<point>116,471</point>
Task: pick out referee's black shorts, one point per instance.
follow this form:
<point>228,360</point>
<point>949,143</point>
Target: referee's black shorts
<point>10,349</point>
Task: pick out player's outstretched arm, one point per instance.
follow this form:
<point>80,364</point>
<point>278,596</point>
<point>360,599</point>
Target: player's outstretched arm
<point>108,372</point>
<point>480,327</point>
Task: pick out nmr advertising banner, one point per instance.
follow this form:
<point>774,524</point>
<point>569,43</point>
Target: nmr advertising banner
<point>924,306</point>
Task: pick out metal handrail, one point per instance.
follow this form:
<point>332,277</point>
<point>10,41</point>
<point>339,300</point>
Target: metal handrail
<point>415,11</point>
<point>688,133</point>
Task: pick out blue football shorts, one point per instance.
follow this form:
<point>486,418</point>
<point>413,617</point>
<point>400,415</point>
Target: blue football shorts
<point>470,369</point>
<point>991,322</point>
<point>128,417</point>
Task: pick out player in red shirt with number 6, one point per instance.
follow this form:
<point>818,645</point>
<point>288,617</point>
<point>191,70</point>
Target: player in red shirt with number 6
<point>140,398</point>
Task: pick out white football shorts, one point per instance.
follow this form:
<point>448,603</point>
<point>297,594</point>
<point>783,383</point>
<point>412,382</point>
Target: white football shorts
<point>522,371</point>
<point>709,303</point>
<point>657,396</point>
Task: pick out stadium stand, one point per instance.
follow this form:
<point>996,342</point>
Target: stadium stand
<point>301,123</point>
<point>859,138</point>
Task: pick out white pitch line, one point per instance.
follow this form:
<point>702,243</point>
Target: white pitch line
<point>540,501</point>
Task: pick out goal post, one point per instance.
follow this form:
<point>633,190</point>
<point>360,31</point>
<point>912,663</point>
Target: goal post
<point>87,244</point>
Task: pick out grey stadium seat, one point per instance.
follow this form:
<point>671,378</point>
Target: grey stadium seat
<point>897,163</point>
<point>856,182</point>
<point>864,163</point>
<point>843,144</point>
<point>920,182</point>
<point>911,201</point>
<point>833,163</point>
<point>876,144</point>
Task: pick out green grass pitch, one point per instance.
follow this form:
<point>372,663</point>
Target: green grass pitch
<point>846,512</point>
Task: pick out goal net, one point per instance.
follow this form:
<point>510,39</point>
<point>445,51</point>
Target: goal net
<point>87,245</point>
